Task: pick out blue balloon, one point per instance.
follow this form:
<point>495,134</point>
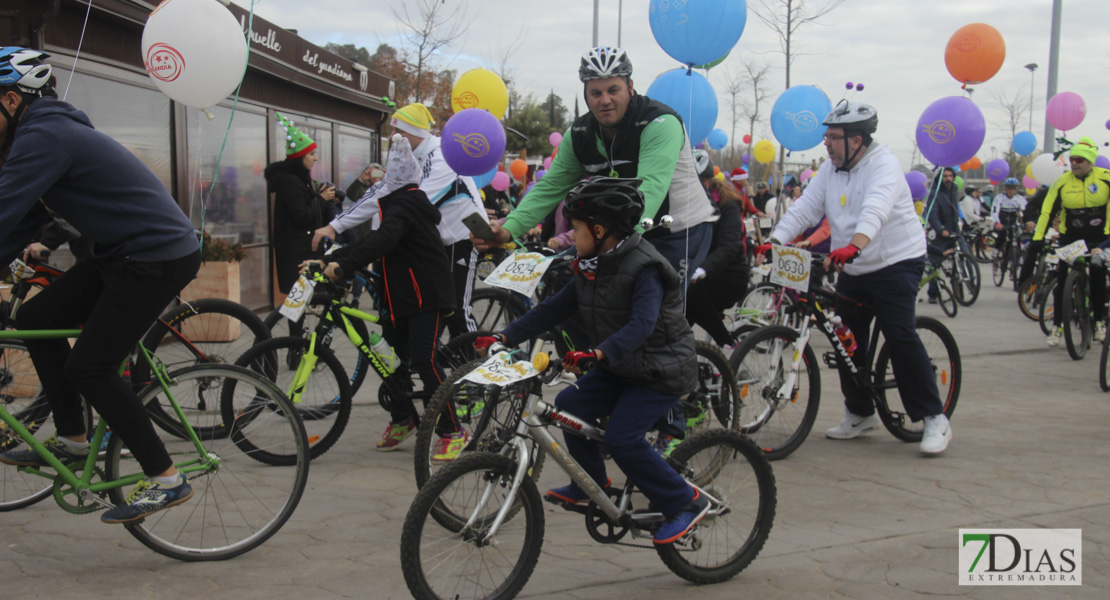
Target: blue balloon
<point>691,95</point>
<point>717,139</point>
<point>797,115</point>
<point>483,180</point>
<point>697,33</point>
<point>1025,143</point>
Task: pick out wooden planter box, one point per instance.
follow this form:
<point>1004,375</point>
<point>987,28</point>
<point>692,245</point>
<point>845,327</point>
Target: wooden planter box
<point>214,280</point>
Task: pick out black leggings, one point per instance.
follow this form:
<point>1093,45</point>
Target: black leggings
<point>414,339</point>
<point>708,298</point>
<point>116,300</point>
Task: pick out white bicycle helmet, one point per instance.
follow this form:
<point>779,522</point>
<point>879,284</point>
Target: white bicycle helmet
<point>25,69</point>
<point>603,62</point>
<point>853,116</point>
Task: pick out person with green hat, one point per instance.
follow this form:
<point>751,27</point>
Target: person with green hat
<point>298,208</point>
<point>1082,197</point>
<point>454,195</point>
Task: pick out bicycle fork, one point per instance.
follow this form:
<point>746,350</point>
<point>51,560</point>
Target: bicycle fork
<point>786,390</point>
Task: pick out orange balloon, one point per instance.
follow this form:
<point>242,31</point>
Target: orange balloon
<point>975,163</point>
<point>965,166</point>
<point>519,168</point>
<point>716,169</point>
<point>975,53</point>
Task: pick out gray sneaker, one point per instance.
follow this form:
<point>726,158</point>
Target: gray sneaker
<point>29,458</point>
<point>852,426</point>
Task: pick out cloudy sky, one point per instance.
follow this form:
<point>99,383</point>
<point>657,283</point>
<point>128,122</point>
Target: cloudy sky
<point>894,47</point>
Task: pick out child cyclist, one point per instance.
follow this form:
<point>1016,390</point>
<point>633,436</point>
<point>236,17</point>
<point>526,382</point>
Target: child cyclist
<point>419,292</point>
<point>629,297</point>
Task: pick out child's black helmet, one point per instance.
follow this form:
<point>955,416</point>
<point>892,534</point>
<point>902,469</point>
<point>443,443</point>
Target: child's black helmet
<point>613,202</point>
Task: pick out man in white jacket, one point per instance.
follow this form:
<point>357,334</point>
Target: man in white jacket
<point>455,197</point>
<point>879,244</point>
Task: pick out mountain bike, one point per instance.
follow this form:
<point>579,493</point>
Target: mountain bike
<point>1075,308</point>
<point>475,530</point>
<point>944,297</point>
<point>240,499</point>
<point>780,378</point>
<point>963,274</point>
<point>1007,259</point>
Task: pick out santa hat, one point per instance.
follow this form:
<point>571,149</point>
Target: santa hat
<point>739,174</point>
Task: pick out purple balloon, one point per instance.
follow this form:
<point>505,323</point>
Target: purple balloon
<point>919,184</point>
<point>950,131</point>
<point>473,142</point>
<point>1065,111</point>
<point>998,169</point>
<point>848,85</point>
<point>540,174</point>
<point>746,159</point>
<point>1103,162</point>
<point>1108,124</point>
<point>859,87</point>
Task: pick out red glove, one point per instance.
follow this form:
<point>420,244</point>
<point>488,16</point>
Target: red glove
<point>482,343</point>
<point>844,255</point>
<point>763,249</point>
<point>583,360</point>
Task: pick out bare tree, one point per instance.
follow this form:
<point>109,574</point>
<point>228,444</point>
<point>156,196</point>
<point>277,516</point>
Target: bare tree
<point>1014,114</point>
<point>503,56</point>
<point>735,81</point>
<point>434,28</point>
<point>757,75</point>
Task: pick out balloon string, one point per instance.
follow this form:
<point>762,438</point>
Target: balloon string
<point>689,194</point>
<point>73,71</point>
<point>230,120</point>
<point>931,197</point>
<point>197,182</point>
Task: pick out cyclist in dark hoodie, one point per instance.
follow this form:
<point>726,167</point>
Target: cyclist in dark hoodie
<point>143,251</point>
<point>419,289</point>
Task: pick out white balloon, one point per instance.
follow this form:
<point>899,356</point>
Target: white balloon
<point>1046,170</point>
<point>194,51</point>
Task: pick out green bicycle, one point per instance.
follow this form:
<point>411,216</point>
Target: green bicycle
<point>239,499</point>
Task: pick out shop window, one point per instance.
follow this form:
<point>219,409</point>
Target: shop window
<point>355,153</point>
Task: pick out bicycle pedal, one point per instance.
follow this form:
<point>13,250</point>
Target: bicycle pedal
<point>567,506</point>
<point>830,359</point>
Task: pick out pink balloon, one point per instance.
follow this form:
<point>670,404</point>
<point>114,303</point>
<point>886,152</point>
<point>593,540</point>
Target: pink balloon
<point>807,174</point>
<point>547,163</point>
<point>500,181</point>
<point>1029,182</point>
<point>1065,111</point>
<point>555,138</point>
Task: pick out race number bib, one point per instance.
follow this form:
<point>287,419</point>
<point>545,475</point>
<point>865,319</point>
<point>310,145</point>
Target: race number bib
<point>297,300</point>
<point>520,272</point>
<point>790,267</point>
<point>1072,251</point>
<point>500,370</point>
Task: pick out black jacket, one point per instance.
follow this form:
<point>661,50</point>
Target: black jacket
<point>727,256</point>
<point>298,212</point>
<point>414,263</point>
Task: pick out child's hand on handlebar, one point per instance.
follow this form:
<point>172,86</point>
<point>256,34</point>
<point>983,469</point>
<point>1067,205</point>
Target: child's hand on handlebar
<point>483,342</point>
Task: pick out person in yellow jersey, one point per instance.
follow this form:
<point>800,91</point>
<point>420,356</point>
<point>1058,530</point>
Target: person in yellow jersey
<point>1082,198</point>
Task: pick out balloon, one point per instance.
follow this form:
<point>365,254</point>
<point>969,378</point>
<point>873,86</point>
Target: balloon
<point>859,87</point>
<point>974,53</point>
<point>998,169</point>
<point>950,131</point>
<point>919,184</point>
<point>965,166</point>
<point>518,168</point>
<point>708,66</point>
<point>1029,182</point>
<point>547,163</point>
<point>194,51</point>
<point>690,94</point>
<point>481,181</point>
<point>472,142</point>
<point>958,182</point>
<point>697,33</point>
<point>480,88</point>
<point>1046,170</point>
<point>764,151</point>
<point>806,175</point>
<point>747,139</point>
<point>501,181</point>
<point>716,170</point>
<point>1065,111</point>
<point>1102,162</point>
<point>717,139</point>
<point>1108,124</point>
<point>1025,143</point>
<point>975,163</point>
<point>848,85</point>
<point>554,139</point>
<point>540,174</point>
<point>746,159</point>
<point>720,176</point>
<point>1028,170</point>
<point>796,117</point>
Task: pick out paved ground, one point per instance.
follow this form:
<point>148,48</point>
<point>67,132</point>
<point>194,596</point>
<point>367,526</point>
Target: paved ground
<point>867,518</point>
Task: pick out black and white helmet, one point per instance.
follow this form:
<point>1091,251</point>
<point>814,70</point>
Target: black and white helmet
<point>25,69</point>
<point>703,165</point>
<point>853,116</point>
<point>603,62</point>
<point>617,203</point>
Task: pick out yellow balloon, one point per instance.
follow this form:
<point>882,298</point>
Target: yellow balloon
<point>1029,192</point>
<point>1029,171</point>
<point>720,176</point>
<point>764,151</point>
<point>480,88</point>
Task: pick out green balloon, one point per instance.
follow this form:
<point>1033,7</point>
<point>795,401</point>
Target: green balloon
<point>708,66</point>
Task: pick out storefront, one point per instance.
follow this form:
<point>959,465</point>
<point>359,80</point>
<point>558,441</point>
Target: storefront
<point>335,101</point>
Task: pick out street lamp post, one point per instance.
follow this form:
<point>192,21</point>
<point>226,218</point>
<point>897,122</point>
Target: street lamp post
<point>1032,67</point>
